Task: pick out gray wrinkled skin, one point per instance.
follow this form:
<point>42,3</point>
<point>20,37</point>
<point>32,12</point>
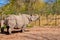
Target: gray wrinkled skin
<point>18,21</point>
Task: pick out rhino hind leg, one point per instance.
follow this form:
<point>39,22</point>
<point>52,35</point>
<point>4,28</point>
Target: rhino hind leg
<point>2,30</point>
<point>23,28</point>
<point>9,30</point>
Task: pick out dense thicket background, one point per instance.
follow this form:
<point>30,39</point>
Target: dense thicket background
<point>51,8</point>
<point>31,6</point>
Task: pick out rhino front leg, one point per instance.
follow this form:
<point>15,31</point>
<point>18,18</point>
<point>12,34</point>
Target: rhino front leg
<point>23,28</point>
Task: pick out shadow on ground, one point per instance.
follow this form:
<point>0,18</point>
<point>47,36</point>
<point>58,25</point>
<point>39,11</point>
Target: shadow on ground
<point>13,32</point>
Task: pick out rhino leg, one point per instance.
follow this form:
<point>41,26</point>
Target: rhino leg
<point>23,28</point>
<point>2,30</point>
<point>9,31</point>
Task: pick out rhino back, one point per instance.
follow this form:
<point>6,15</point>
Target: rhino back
<point>17,20</point>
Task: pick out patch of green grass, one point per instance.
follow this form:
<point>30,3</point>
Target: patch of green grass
<point>29,26</point>
<point>4,26</point>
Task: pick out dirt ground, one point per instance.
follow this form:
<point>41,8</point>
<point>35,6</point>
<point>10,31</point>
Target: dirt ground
<point>35,33</point>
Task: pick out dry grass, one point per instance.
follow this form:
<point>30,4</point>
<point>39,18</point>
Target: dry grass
<point>52,20</point>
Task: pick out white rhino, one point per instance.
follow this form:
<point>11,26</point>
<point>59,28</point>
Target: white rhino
<point>18,21</point>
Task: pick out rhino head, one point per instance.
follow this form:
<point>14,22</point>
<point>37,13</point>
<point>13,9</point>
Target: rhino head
<point>33,17</point>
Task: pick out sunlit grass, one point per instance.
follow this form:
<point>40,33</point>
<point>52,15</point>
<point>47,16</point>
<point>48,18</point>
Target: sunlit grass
<point>53,20</point>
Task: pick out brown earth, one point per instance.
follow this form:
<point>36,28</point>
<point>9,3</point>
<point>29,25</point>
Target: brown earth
<point>35,33</point>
